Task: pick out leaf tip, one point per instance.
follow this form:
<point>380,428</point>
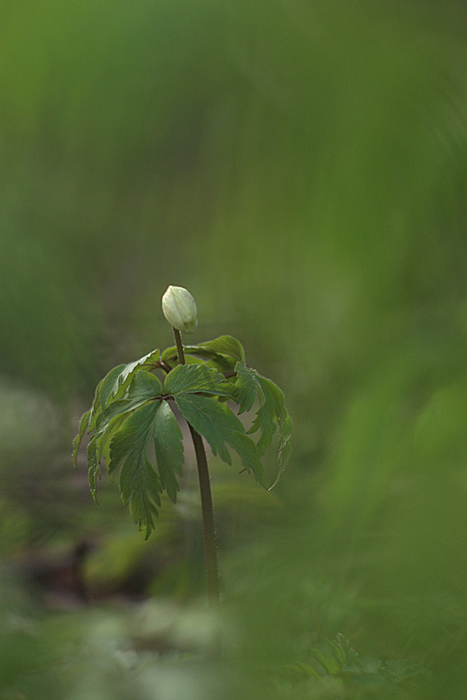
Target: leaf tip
<point>145,531</point>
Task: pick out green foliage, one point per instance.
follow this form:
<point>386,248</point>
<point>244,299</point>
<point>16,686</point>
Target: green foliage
<point>272,414</point>
<point>220,426</point>
<point>140,486</point>
<point>134,431</point>
<point>192,379</point>
<point>341,661</point>
<point>221,353</point>
<point>224,345</point>
<point>168,445</point>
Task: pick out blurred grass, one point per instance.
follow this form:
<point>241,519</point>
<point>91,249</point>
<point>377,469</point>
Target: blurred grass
<point>301,168</point>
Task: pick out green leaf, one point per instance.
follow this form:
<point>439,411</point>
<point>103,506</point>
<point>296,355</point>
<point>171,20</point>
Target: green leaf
<point>222,352</point>
<point>99,447</point>
<point>271,413</point>
<point>271,416</point>
<point>285,448</point>
<point>285,428</point>
<point>196,379</point>
<point>89,421</point>
<point>344,652</point>
<point>83,426</point>
<point>105,436</point>
<point>148,362</point>
<point>216,422</point>
<point>140,486</point>
<point>219,362</point>
<point>102,394</point>
<point>225,345</point>
<point>115,383</point>
<point>328,662</point>
<point>144,387</point>
<point>168,443</point>
<point>303,669</point>
<point>265,421</point>
<point>94,469</point>
<point>110,385</point>
<point>246,387</point>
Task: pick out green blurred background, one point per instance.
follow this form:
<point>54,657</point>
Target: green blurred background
<point>300,166</point>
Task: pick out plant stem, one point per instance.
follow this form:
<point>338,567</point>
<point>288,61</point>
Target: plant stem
<point>210,549</point>
<point>178,343</point>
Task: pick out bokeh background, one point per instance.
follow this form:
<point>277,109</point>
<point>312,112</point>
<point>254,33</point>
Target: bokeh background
<point>300,166</point>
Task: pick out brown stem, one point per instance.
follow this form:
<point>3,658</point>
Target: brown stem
<point>210,549</point>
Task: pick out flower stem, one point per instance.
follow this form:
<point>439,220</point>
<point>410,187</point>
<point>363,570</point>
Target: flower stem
<point>210,549</point>
<point>178,343</point>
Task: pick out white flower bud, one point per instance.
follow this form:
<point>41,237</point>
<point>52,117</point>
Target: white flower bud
<point>179,309</point>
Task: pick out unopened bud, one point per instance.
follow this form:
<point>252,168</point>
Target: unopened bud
<point>179,309</point>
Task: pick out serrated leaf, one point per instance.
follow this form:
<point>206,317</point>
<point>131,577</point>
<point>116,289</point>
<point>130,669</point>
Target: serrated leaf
<point>303,669</point>
<point>251,385</point>
<point>271,415</point>
<point>144,387</point>
<point>142,493</point>
<point>103,391</point>
<point>265,421</point>
<point>94,469</point>
<point>285,448</point>
<point>140,486</point>
<point>168,443</point>
<point>225,345</point>
<point>343,651</point>
<point>328,662</point>
<point>115,382</point>
<point>271,392</point>
<point>83,426</point>
<point>98,447</point>
<point>219,362</point>
<point>222,352</point>
<point>110,385</point>
<point>124,389</point>
<point>149,361</point>
<point>105,436</point>
<point>246,387</point>
<point>196,379</point>
<point>221,428</point>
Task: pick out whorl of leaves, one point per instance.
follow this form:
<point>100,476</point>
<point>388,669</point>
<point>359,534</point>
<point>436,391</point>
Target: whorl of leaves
<point>134,431</point>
